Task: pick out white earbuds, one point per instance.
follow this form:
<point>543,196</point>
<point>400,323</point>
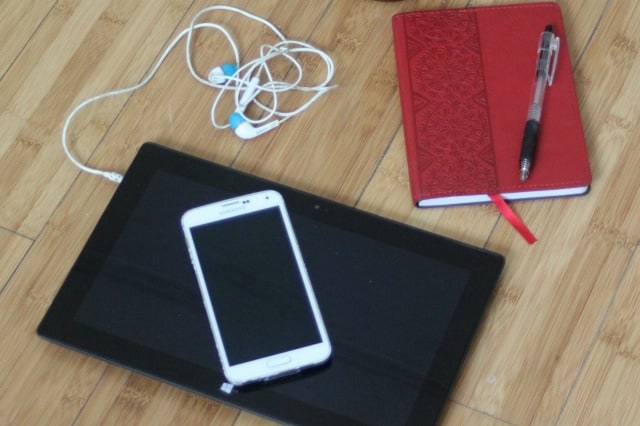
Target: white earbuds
<point>245,130</point>
<point>220,75</point>
<point>243,81</point>
<point>239,123</point>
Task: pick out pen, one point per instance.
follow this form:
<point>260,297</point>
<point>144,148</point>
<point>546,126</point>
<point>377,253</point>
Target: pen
<point>548,47</point>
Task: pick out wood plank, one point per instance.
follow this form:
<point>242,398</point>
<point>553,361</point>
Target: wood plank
<point>610,381</point>
<point>247,419</point>
<point>80,50</point>
<point>12,250</point>
<point>19,20</point>
<point>123,397</point>
<point>456,414</point>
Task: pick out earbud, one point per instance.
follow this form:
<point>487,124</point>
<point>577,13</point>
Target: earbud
<point>245,130</point>
<point>219,75</point>
<point>242,128</point>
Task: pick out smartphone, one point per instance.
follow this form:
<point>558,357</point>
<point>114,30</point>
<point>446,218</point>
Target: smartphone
<point>259,300</point>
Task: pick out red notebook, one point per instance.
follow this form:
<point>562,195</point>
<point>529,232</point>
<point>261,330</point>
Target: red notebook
<point>465,78</point>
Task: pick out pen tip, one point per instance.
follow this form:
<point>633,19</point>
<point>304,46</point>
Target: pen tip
<point>524,175</point>
<point>548,28</point>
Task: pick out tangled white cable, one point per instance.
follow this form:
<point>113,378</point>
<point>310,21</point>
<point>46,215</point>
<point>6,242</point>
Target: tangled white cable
<point>243,80</point>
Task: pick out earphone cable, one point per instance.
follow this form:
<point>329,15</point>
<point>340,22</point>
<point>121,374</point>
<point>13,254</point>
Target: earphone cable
<point>238,83</point>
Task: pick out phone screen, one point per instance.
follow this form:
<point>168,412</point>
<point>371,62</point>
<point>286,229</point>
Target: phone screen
<point>255,286</point>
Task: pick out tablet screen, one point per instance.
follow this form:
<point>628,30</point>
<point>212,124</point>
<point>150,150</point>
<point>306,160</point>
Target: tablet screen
<point>400,305</point>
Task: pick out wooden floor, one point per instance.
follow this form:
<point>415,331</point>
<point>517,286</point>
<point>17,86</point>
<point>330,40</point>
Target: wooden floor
<point>561,340</point>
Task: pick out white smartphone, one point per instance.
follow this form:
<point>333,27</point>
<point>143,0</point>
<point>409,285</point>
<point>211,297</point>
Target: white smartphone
<point>261,307</point>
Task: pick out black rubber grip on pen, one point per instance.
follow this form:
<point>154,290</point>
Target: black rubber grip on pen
<point>529,140</point>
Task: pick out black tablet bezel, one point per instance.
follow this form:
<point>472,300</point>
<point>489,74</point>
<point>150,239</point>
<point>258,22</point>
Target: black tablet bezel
<point>59,326</point>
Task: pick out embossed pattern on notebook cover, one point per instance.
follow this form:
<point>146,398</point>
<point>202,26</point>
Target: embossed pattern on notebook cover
<point>453,147</point>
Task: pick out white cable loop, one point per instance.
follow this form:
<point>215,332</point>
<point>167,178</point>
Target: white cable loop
<point>237,83</point>
<point>259,67</point>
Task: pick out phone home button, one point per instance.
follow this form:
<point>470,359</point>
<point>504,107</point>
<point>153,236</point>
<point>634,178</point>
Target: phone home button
<point>278,361</point>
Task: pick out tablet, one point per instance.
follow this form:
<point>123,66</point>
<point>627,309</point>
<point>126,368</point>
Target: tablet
<point>400,305</point>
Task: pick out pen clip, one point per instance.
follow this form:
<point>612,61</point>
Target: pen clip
<point>554,48</point>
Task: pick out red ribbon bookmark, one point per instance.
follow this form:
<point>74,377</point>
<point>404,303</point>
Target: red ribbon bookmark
<point>513,218</point>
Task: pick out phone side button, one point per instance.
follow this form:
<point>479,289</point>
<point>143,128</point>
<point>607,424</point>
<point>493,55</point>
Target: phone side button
<point>278,361</point>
